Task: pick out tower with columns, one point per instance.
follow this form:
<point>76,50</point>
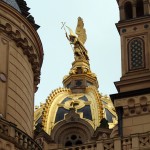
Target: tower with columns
<point>133,99</point>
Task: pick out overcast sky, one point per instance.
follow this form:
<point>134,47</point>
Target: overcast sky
<point>103,41</point>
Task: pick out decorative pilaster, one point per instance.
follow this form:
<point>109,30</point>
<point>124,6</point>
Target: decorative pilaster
<point>135,141</point>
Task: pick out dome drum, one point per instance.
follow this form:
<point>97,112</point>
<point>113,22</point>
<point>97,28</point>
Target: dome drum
<point>77,84</point>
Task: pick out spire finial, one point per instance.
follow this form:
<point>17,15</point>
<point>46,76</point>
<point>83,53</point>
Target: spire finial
<point>80,75</point>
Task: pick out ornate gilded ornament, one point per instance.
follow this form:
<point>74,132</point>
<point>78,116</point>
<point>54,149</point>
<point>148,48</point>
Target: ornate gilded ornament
<point>78,41</point>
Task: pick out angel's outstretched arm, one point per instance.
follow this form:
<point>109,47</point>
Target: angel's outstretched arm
<point>67,36</point>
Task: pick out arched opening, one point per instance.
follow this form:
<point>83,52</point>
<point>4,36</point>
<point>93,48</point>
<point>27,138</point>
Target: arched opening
<point>78,142</point>
<point>139,8</point>
<point>68,143</point>
<point>128,10</point>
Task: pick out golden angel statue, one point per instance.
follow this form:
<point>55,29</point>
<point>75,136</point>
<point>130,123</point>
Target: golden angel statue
<point>78,41</point>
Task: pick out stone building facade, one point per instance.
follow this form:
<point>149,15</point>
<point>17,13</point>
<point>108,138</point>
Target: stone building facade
<point>76,116</point>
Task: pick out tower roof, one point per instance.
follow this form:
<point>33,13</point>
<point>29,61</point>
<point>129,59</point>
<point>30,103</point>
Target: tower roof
<point>22,8</point>
<point>14,4</point>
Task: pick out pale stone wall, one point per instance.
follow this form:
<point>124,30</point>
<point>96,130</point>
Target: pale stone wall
<point>20,90</point>
<point>4,70</point>
<point>138,124</point>
<point>136,114</point>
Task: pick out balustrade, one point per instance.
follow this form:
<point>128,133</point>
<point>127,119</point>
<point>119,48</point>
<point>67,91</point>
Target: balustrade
<point>21,140</point>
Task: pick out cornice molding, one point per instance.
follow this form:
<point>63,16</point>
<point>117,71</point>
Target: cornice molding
<point>130,94</point>
<point>26,48</point>
<point>28,40</point>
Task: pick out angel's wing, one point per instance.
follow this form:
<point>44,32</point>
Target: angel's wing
<point>71,32</point>
<point>80,31</point>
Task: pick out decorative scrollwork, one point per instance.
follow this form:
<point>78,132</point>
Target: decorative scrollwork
<point>109,146</point>
<point>144,140</point>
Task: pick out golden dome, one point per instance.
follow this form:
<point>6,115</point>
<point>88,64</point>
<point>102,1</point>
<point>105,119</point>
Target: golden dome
<point>78,105</point>
<point>90,105</point>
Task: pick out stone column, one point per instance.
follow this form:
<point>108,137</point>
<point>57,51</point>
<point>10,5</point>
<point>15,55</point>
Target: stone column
<point>100,145</point>
<point>117,144</point>
<point>134,10</point>
<point>146,7</point>
<point>122,13</point>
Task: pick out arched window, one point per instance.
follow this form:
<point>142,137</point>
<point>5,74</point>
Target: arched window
<point>136,54</point>
<point>139,8</point>
<point>128,10</point>
<point>73,140</point>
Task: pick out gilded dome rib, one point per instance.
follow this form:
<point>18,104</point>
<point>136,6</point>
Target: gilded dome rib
<point>48,103</point>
